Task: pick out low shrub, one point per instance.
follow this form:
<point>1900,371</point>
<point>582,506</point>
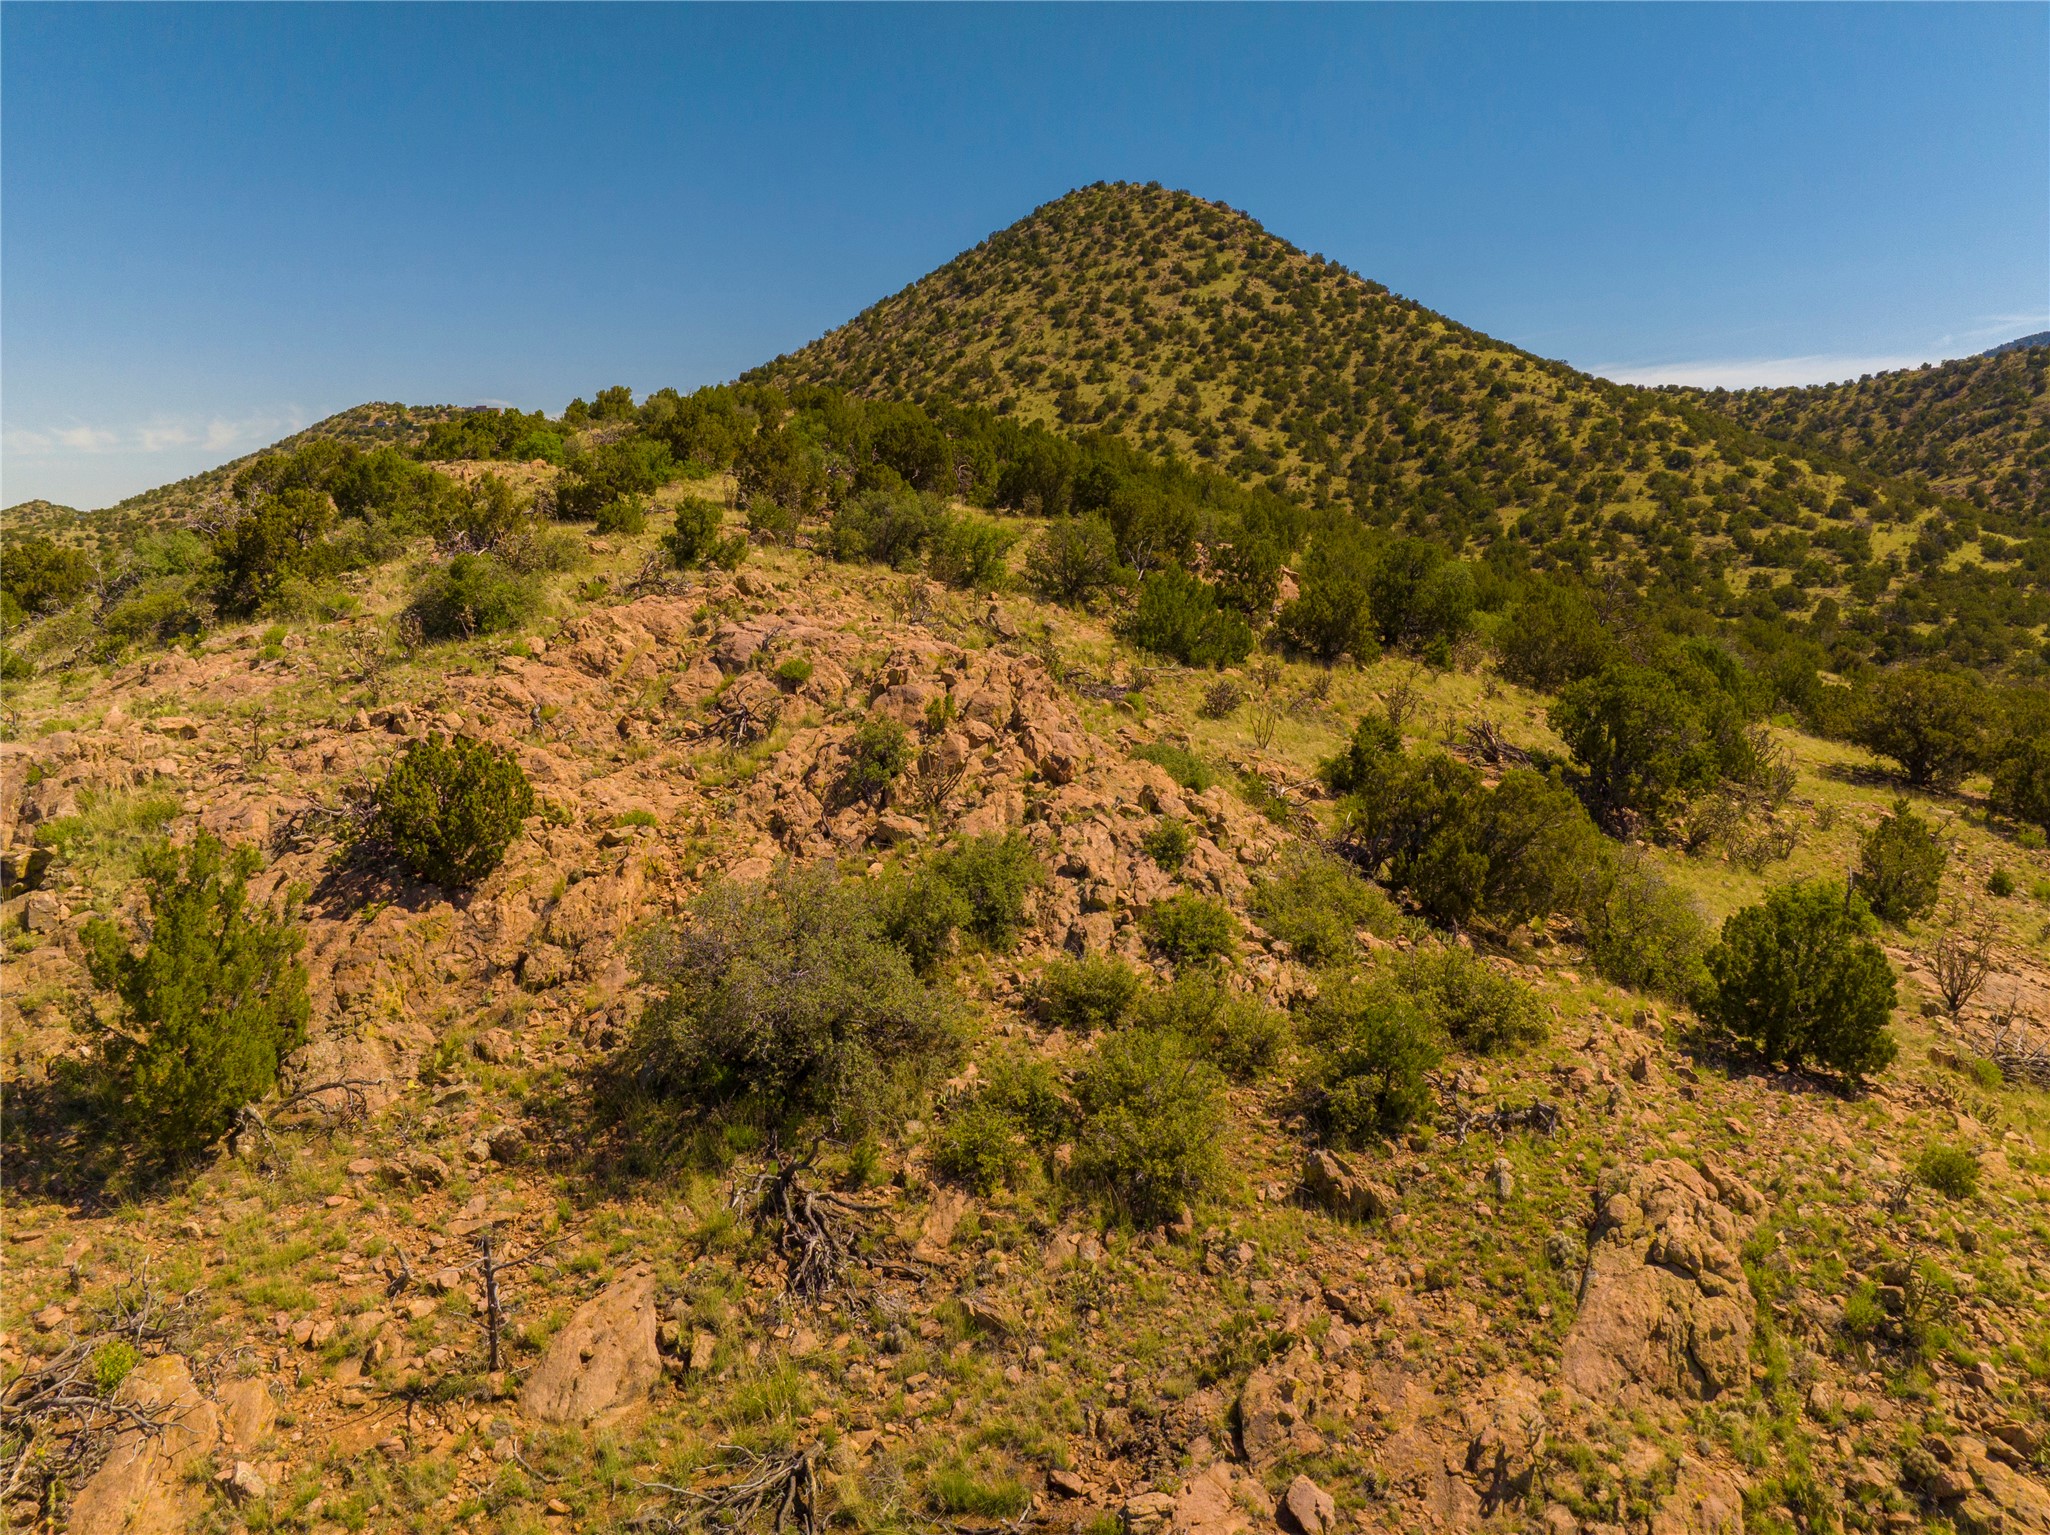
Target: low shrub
<point>885,527</point>
<point>877,754</point>
<point>696,538</point>
<point>623,514</point>
<point>1168,843</point>
<point>1150,1119</point>
<point>2000,884</point>
<point>209,1008</point>
<point>783,1002</point>
<point>793,673</point>
<point>990,1137</point>
<point>1317,904</point>
<point>1221,700</point>
<point>473,594</point>
<point>1949,1170</point>
<point>1075,562</point>
<point>1482,1010</point>
<point>1190,929</point>
<point>1180,764</point>
<point>993,875</point>
<point>1085,994</point>
<point>1900,865</point>
<point>1800,976</point>
<point>1641,930</point>
<point>449,809</point>
<point>1178,616</point>
<point>1374,1053</point>
<point>920,912</point>
<point>1244,1038</point>
<point>970,553</point>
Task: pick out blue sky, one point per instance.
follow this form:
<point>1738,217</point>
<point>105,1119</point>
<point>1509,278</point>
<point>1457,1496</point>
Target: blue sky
<point>224,222</point>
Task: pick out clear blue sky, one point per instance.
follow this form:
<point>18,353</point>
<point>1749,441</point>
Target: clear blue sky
<point>223,222</point>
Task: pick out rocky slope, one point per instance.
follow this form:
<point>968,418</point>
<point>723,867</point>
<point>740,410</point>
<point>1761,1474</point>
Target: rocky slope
<point>1703,1300</point>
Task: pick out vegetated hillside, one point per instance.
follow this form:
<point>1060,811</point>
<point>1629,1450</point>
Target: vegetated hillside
<point>1976,428</point>
<point>1187,328</point>
<point>1290,1208</point>
<point>183,501</point>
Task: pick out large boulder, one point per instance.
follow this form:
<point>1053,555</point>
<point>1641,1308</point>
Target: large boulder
<point>604,1359</point>
<point>1664,1302</point>
<point>1704,1501</point>
<point>142,1488</point>
<point>1344,1190</point>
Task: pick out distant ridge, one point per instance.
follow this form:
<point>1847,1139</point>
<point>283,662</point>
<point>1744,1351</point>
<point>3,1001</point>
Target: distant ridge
<point>2019,344</point>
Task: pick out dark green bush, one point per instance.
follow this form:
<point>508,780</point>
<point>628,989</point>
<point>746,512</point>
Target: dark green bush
<point>622,514</point>
<point>473,594</point>
<point>783,1002</point>
<point>1150,1119</point>
<point>1932,722</point>
<point>1191,929</point>
<point>993,874</point>
<point>1317,904</point>
<point>1552,638</point>
<point>1075,561</point>
<point>877,754</point>
<point>1418,595</point>
<point>1641,930</point>
<point>42,575</point>
<point>1375,1050</point>
<point>450,809</point>
<point>1242,1037</point>
<point>696,540</point>
<point>1331,614</point>
<point>626,468</point>
<point>990,1137</point>
<point>920,911</point>
<point>1375,743</point>
<point>1180,764</point>
<point>1646,740</point>
<point>1168,843</point>
<point>893,528</point>
<point>282,535</point>
<point>483,516</point>
<point>1085,994</point>
<point>1900,865</point>
<point>2021,780</point>
<point>1951,1171</point>
<point>1800,976</point>
<point>1178,615</point>
<point>970,553</point>
<point>210,1007</point>
<point>1481,1009</point>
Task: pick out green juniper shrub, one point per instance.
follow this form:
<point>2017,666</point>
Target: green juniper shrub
<point>1374,1050</point>
<point>1150,1119</point>
<point>1074,562</point>
<point>1168,843</point>
<point>1930,721</point>
<point>40,575</point>
<point>793,673</point>
<point>1374,745</point>
<point>625,467</point>
<point>483,516</point>
<point>1419,595</point>
<point>1190,929</point>
<point>1083,995</point>
<point>1900,865</point>
<point>1641,930</point>
<point>450,809</point>
<point>1247,573</point>
<point>970,553</point>
<point>473,594</point>
<point>1951,1171</point>
<point>2000,884</point>
<point>1243,1037</point>
<point>783,1002</point>
<point>209,1007</point>
<point>281,535</point>
<point>893,528</point>
<point>1178,615</point>
<point>1554,637</point>
<point>1317,904</point>
<point>993,874</point>
<point>1481,1009</point>
<point>989,1137</point>
<point>1800,976</point>
<point>877,754</point>
<point>1179,763</point>
<point>696,540</point>
<point>622,514</point>
<point>1331,615</point>
<point>2021,780</point>
<point>920,911</point>
<point>1646,739</point>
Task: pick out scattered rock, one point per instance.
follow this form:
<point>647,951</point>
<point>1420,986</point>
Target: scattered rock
<point>605,1357</point>
<point>141,1487</point>
<point>244,1483</point>
<point>1307,1508</point>
<point>248,1412</point>
<point>1333,1182</point>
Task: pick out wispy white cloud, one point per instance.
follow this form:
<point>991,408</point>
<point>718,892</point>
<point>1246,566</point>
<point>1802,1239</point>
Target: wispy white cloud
<point>1756,372</point>
<point>160,434</point>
